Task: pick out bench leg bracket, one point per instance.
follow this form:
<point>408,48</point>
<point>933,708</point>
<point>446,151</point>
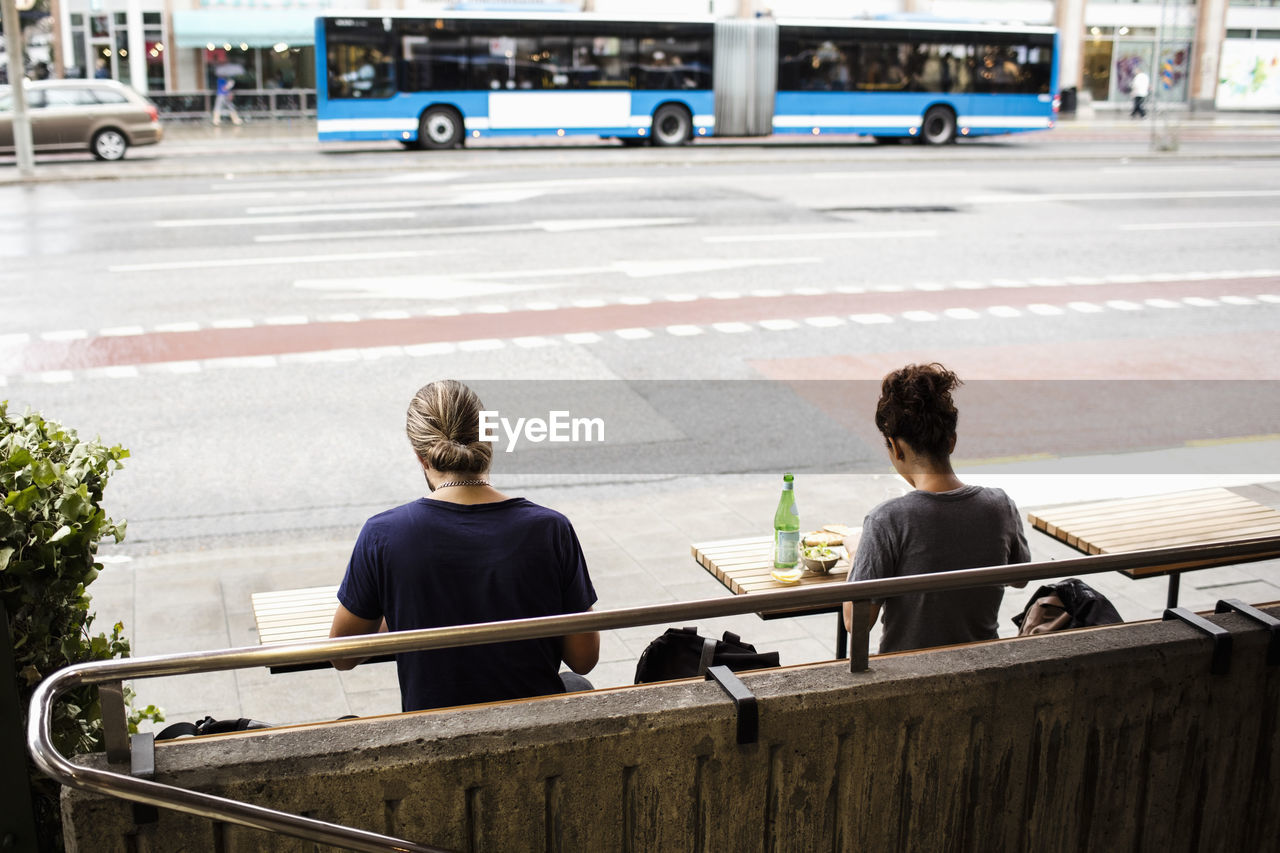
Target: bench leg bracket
<point>743,700</point>
<point>1269,622</point>
<point>1221,663</point>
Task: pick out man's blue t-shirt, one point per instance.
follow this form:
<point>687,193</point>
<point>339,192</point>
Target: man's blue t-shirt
<point>431,563</point>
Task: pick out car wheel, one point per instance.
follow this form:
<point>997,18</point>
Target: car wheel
<point>440,127</point>
<point>109,144</point>
<point>939,126</point>
<point>672,125</point>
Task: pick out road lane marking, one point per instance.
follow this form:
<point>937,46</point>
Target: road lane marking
<point>185,326</point>
<point>120,331</point>
<point>1015,198</point>
<point>348,354</point>
<point>396,179</point>
<point>280,220</point>
<point>774,237</point>
<point>65,335</point>
<point>216,263</point>
<point>1198,226</point>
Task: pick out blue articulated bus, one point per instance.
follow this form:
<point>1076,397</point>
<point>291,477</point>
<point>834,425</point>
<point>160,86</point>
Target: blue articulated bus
<point>435,81</point>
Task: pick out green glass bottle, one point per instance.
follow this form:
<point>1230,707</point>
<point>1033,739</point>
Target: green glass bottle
<point>786,527</point>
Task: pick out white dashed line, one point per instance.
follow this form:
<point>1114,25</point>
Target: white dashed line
<point>1238,300</point>
<point>779,325</point>
<point>1162,303</point>
<point>481,345</point>
<point>1045,310</point>
<point>236,323</point>
<point>1046,282</point>
<point>731,328</point>
<point>870,319</point>
<point>257,362</point>
<point>1085,307</point>
<point>1004,311</point>
<point>56,376</point>
<point>588,303</point>
<point>1200,302</point>
<point>919,316</point>
<point>767,293</point>
<point>681,297</point>
<point>809,291</point>
<point>825,322</point>
<point>724,294</point>
<point>180,367</point>
<point>970,285</point>
<point>121,331</point>
<point>930,286</point>
<point>536,306</point>
<point>119,371</point>
<point>633,334</point>
<point>397,315</point>
<point>492,309</point>
<point>684,331</point>
<point>434,348</point>
<point>187,326</point>
<point>962,314</point>
<point>533,342</point>
<point>1269,297</point>
<point>635,300</point>
<point>1123,305</point>
<point>379,353</point>
<point>1008,282</point>
<point>287,320</point>
<point>851,289</point>
<point>16,339</point>
<point>583,338</point>
<point>332,318</point>
<point>889,288</point>
<point>336,356</point>
<point>65,335</point>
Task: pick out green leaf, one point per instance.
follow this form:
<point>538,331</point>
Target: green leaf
<point>44,473</point>
<point>22,501</point>
<point>62,533</point>
<point>5,554</point>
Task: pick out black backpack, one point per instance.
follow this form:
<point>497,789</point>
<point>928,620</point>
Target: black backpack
<point>1071,603</point>
<point>209,726</point>
<point>681,653</point>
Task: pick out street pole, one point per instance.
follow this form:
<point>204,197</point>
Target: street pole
<point>17,74</point>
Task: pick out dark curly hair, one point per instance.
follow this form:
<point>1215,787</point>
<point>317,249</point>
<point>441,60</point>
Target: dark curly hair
<point>915,405</point>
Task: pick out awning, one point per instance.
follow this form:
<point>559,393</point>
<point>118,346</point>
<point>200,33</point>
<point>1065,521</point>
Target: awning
<point>252,27</point>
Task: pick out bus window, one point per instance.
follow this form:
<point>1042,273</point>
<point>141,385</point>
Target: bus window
<point>359,59</point>
<point>882,67</point>
<point>602,62</point>
<point>672,63</point>
<point>941,68</point>
<point>432,56</point>
<point>807,64</point>
<point>1013,69</point>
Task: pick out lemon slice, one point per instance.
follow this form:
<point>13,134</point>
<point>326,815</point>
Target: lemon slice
<point>787,575</point>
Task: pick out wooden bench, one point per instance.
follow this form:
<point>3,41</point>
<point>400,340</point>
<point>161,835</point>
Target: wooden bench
<point>291,615</point>
<point>1134,524</point>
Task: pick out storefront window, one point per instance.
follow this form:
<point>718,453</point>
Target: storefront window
<point>1114,55</point>
<point>155,47</point>
<point>285,67</point>
<point>228,60</point>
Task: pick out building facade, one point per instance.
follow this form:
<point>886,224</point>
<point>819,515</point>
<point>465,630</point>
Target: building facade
<point>1203,53</point>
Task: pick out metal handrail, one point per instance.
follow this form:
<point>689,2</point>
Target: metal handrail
<point>111,673</point>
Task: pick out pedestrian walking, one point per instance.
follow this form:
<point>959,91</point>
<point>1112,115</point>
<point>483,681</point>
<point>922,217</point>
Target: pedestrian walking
<point>224,99</point>
<point>1140,88</point>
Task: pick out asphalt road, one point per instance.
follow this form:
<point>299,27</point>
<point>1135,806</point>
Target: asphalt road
<point>251,324</point>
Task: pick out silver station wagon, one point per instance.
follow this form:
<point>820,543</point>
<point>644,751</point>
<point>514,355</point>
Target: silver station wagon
<point>102,116</point>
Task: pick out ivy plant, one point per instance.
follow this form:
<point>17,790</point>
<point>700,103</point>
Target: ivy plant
<point>51,522</point>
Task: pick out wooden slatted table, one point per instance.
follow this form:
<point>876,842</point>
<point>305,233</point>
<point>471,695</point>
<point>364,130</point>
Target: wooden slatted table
<point>1135,524</point>
<point>744,567</point>
<point>297,614</point>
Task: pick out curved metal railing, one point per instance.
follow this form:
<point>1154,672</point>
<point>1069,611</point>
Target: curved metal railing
<point>109,675</point>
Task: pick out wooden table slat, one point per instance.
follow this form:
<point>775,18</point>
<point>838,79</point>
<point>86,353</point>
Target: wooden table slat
<point>1153,518</point>
<point>1208,524</point>
<point>1085,510</point>
<point>1151,513</point>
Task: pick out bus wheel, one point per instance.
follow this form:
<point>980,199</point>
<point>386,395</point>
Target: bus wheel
<point>440,127</point>
<point>672,125</point>
<point>939,127</point>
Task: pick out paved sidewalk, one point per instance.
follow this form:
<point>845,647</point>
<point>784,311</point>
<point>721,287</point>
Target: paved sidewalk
<point>196,148</point>
<point>636,539</point>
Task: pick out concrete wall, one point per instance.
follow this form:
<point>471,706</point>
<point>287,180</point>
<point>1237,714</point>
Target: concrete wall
<point>1111,739</point>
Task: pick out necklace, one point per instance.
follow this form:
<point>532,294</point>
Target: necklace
<point>463,483</point>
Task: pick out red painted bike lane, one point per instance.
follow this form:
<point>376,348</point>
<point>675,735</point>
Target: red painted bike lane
<point>273,340</point>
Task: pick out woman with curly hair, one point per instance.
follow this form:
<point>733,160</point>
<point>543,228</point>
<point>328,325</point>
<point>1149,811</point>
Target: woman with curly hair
<point>943,525</point>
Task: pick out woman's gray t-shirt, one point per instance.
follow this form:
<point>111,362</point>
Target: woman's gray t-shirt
<point>925,532</point>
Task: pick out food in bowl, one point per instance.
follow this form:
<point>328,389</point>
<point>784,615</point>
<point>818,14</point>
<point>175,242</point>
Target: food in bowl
<point>822,539</point>
<point>819,559</point>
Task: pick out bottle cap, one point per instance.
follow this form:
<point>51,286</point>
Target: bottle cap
<point>787,478</point>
